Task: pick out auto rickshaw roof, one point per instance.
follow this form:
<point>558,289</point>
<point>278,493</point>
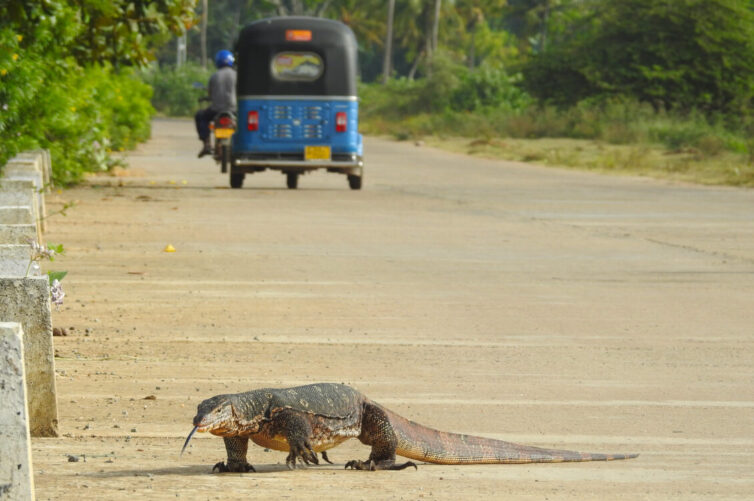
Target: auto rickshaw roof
<point>260,41</point>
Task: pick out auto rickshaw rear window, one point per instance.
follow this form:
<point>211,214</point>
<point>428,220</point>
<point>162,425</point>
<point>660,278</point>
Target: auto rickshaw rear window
<point>297,66</point>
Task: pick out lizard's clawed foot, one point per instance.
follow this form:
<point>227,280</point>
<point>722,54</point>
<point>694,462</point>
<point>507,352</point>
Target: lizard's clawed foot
<point>301,451</point>
<point>373,465</point>
<point>355,464</point>
<point>407,464</point>
<point>324,456</point>
<point>233,466</point>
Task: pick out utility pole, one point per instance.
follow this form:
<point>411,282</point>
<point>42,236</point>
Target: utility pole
<point>388,62</point>
<point>205,16</point>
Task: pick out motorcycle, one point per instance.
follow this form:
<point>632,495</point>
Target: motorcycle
<point>222,128</point>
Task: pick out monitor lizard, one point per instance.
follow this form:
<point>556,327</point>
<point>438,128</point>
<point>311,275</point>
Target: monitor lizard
<point>305,420</point>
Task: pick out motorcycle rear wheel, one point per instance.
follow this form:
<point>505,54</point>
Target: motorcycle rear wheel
<point>224,158</point>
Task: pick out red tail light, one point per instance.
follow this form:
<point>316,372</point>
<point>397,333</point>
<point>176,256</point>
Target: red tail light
<point>225,122</point>
<point>341,121</point>
<point>252,121</point>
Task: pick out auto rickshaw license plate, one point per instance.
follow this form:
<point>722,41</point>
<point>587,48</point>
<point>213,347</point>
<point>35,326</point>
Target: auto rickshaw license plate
<point>224,133</point>
<point>316,153</point>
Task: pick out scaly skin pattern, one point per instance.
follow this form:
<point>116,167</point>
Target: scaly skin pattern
<point>311,419</point>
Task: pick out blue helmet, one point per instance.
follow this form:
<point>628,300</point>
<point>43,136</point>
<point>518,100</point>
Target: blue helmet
<point>224,58</point>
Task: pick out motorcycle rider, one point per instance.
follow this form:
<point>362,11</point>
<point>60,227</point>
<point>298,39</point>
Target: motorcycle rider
<point>222,97</point>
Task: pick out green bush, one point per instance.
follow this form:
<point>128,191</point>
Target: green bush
<point>488,88</point>
<point>176,89</point>
<point>487,104</point>
<point>48,100</point>
<point>680,55</point>
<point>449,87</point>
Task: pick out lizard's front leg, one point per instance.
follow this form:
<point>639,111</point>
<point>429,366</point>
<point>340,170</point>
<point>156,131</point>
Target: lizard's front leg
<point>297,430</point>
<point>236,448</point>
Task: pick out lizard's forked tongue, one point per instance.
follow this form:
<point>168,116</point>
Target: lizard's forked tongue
<point>188,438</point>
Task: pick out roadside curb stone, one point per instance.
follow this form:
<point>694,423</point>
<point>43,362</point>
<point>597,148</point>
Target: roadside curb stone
<point>17,233</point>
<point>16,479</point>
<point>27,301</point>
<point>31,167</point>
<point>15,261</point>
<point>24,291</point>
<point>19,193</point>
<point>19,214</point>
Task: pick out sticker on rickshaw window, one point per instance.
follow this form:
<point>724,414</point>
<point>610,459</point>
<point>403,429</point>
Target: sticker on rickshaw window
<point>303,66</point>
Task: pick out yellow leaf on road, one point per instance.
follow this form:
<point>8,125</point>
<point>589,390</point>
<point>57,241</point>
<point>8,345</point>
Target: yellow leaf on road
<point>169,248</point>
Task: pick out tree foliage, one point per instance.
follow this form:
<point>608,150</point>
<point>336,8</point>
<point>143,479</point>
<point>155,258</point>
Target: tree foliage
<point>66,79</point>
<point>685,54</point>
<point>69,89</point>
<point>680,54</point>
<point>466,29</point>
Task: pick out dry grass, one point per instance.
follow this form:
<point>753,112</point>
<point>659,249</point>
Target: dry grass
<point>691,165</point>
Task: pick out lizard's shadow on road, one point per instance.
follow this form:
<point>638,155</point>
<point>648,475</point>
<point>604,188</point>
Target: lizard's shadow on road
<point>192,470</point>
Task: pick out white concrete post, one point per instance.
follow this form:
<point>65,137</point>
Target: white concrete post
<point>15,193</point>
<point>27,170</point>
<point>18,234</point>
<point>27,301</point>
<point>16,479</point>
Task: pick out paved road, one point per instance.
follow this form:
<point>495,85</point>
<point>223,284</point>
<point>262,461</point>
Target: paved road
<point>535,305</point>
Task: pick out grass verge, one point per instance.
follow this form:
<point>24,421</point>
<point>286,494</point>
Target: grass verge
<point>713,166</point>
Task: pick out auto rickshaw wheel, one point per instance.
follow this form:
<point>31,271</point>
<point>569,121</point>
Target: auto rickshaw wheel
<point>236,179</point>
<point>354,182</point>
<point>292,180</point>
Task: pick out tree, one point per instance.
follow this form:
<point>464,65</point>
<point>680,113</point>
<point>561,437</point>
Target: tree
<point>315,8</point>
<point>205,17</point>
<point>387,66</point>
<point>124,32</point>
<point>683,54</point>
<point>65,81</point>
<point>435,26</point>
<point>472,16</point>
<point>538,23</point>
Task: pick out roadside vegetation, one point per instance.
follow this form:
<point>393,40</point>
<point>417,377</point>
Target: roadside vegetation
<point>639,86</point>
<point>634,86</point>
<point>176,90</point>
<point>67,78</point>
<point>628,86</point>
<point>487,114</point>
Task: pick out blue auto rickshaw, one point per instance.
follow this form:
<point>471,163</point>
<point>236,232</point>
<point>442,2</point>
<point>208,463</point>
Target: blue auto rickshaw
<point>297,100</point>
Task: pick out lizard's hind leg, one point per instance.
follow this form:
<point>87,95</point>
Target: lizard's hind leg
<point>377,431</point>
<point>236,448</point>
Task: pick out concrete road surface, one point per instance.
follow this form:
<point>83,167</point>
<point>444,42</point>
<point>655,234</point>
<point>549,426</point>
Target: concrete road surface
<point>535,305</point>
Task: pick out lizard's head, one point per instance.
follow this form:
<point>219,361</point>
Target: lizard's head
<point>215,415</point>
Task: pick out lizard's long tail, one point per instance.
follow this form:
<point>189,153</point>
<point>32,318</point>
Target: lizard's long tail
<point>419,442</point>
